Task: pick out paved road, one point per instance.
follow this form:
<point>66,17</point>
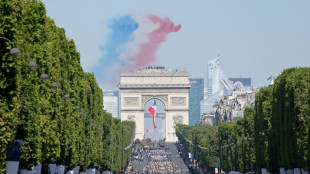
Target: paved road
<point>175,157</point>
<point>141,164</point>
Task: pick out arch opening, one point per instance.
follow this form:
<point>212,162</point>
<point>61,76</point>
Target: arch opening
<point>155,129</point>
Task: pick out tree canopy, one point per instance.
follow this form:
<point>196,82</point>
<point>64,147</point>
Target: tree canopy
<point>274,134</point>
<point>65,124</point>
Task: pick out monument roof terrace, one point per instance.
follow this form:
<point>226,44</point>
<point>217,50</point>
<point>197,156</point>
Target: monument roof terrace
<point>154,77</point>
<point>155,71</point>
<point>154,86</point>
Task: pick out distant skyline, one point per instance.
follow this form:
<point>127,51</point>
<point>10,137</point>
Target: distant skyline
<point>255,39</point>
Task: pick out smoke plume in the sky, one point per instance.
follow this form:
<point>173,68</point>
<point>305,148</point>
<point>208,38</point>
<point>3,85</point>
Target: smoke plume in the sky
<point>131,43</point>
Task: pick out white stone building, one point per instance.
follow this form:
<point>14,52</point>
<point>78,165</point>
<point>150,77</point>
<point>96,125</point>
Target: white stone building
<point>170,87</point>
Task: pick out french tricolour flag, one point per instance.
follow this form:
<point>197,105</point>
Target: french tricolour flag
<point>152,111</point>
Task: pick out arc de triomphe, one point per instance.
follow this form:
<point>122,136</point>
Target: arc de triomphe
<point>171,87</point>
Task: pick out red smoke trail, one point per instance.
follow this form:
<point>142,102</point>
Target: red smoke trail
<point>147,50</point>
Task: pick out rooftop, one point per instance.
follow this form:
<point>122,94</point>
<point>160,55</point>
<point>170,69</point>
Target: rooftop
<point>155,71</point>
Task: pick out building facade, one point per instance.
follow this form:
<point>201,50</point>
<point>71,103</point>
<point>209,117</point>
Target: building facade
<point>196,94</point>
<point>217,85</point>
<point>111,102</point>
<point>231,107</point>
<point>246,82</point>
<point>137,88</point>
<point>216,79</point>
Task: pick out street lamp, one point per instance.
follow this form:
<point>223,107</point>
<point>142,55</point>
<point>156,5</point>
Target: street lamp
<point>67,96</point>
<point>44,76</point>
<point>54,85</point>
<point>14,51</point>
<point>32,64</point>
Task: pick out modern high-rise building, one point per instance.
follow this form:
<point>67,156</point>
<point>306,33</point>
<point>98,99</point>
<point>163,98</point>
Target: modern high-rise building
<point>206,105</point>
<point>196,94</point>
<point>216,79</point>
<point>205,91</point>
<point>217,85</point>
<point>111,102</point>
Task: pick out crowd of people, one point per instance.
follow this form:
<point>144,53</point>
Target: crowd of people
<point>131,169</point>
<point>150,158</point>
<point>159,162</point>
<point>158,155</point>
<point>160,167</point>
<point>137,157</point>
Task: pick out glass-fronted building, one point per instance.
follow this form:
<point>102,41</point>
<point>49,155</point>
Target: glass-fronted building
<point>196,94</point>
<point>216,79</point>
<point>206,106</point>
<point>217,85</point>
<point>111,102</point>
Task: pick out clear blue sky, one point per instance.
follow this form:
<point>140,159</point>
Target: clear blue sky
<point>255,38</point>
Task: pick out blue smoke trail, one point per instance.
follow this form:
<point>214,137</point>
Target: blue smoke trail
<point>121,31</point>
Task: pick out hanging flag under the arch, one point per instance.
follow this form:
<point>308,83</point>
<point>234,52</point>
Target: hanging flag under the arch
<point>152,111</point>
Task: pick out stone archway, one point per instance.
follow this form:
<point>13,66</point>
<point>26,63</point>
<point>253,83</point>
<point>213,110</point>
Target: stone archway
<point>170,87</point>
<point>160,120</point>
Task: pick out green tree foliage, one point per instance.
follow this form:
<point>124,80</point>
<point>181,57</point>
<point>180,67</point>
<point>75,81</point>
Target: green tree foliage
<point>279,125</point>
<point>290,133</point>
<point>282,122</point>
<point>262,115</point>
<point>51,127</point>
<point>236,142</point>
<point>275,134</point>
<point>119,150</point>
<point>205,136</point>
